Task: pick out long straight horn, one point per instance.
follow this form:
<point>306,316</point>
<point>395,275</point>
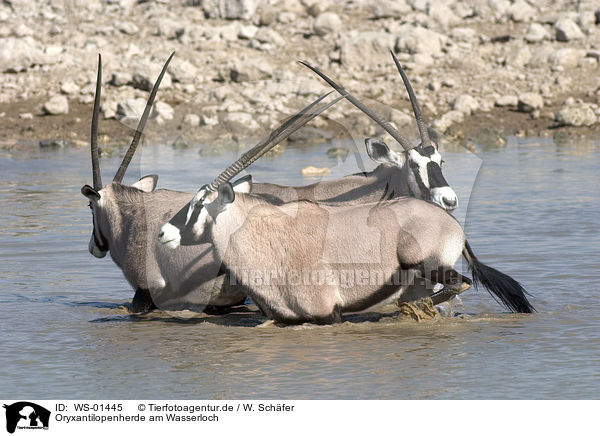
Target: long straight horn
<point>140,128</point>
<point>275,137</point>
<point>405,143</point>
<point>425,140</point>
<point>97,178</point>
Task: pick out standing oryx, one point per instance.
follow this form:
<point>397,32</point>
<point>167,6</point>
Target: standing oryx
<point>310,262</point>
<point>416,172</point>
<point>127,219</point>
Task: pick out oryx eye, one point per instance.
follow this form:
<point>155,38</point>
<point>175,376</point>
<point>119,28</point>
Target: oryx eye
<point>429,150</point>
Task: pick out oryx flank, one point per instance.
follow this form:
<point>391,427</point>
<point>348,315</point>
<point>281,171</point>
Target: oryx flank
<point>127,219</point>
<point>416,172</point>
<point>294,259</point>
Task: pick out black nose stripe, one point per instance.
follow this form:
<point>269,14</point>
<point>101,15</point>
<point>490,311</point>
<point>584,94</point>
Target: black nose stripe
<point>436,178</point>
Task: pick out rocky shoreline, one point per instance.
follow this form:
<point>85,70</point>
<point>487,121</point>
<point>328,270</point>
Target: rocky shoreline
<point>481,70</point>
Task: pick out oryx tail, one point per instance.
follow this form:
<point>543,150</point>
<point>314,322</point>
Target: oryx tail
<point>501,286</point>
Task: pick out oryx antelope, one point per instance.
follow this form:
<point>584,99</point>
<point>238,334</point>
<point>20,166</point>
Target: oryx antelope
<point>127,219</point>
<point>413,239</point>
<point>416,172</point>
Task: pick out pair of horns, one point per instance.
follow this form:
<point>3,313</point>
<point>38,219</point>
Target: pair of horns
<point>97,179</point>
<point>405,143</point>
<point>275,137</point>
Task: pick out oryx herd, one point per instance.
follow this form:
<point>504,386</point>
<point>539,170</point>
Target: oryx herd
<point>301,254</point>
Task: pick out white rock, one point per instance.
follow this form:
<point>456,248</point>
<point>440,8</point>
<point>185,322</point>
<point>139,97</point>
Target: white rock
<point>131,108</point>
<point>390,8</point>
<point>519,56</point>
<point>577,115</point>
<point>57,105</point>
<point>127,27</point>
<point>536,33</point>
<point>121,78</point>
<point>244,120</point>
<point>169,28</point>
<point>69,87</point>
<point>183,72</point>
<point>448,119</point>
<point>465,104</point>
<point>530,101</point>
<point>566,57</point>
<point>327,22</point>
<point>22,30</point>
<point>372,48</point>
<point>145,75</point>
<point>567,30</point>
<point>18,54</point>
<point>191,120</point>
<point>163,110</point>
<point>270,36</point>
<point>247,32</point>
<point>416,39</point>
<point>230,9</point>
<point>520,11</point>
<point>507,100</point>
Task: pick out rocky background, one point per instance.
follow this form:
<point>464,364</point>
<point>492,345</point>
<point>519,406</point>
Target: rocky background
<point>481,69</point>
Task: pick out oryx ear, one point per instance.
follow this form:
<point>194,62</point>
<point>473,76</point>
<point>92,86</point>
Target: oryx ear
<point>146,183</point>
<point>243,184</point>
<point>226,193</point>
<point>378,151</point>
<point>90,193</point>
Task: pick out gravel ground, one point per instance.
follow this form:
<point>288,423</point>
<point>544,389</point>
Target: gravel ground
<point>481,69</point>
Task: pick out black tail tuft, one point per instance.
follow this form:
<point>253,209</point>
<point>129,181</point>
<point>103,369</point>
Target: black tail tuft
<point>501,286</point>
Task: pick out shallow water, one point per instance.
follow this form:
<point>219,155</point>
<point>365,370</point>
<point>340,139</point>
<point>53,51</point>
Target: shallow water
<point>533,213</point>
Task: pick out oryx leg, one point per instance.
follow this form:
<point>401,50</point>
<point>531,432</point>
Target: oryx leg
<point>454,284</point>
<point>142,302</point>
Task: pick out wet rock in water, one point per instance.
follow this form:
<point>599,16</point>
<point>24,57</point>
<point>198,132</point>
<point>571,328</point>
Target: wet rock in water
<point>390,9</point>
<point>465,104</point>
<point>338,152</point>
<point>490,137</point>
<point>530,101</point>
<point>419,310</point>
<point>55,143</point>
<point>567,30</point>
<point>577,114</point>
<point>536,33</point>
<point>327,22</point>
<point>506,100</point>
<point>57,105</point>
<point>131,108</point>
<point>314,171</point>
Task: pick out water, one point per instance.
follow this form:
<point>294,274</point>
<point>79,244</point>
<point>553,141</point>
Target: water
<point>533,213</point>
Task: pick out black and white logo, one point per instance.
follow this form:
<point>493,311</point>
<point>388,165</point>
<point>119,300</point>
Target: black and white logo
<point>26,415</point>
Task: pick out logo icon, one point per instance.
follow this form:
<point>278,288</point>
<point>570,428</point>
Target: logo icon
<point>26,415</point>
